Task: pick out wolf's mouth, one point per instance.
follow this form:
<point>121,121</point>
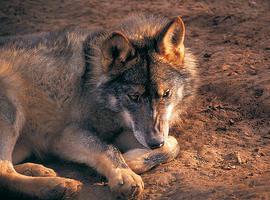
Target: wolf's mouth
<point>141,139</point>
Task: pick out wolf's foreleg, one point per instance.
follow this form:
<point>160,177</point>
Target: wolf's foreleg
<point>142,160</point>
<point>38,187</point>
<point>78,145</point>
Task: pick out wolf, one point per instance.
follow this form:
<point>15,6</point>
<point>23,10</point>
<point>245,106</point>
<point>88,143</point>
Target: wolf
<point>105,98</point>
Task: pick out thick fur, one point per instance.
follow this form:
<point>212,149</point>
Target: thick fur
<point>83,94</point>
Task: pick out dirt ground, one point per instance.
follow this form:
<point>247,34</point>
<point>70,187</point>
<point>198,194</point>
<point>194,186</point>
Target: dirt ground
<point>225,137</point>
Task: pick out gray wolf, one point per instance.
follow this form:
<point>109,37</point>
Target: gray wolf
<point>105,98</point>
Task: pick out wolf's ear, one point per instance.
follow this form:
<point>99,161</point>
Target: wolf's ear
<point>116,51</point>
<point>171,41</point>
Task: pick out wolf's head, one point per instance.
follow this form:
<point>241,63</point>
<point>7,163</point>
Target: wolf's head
<point>146,75</point>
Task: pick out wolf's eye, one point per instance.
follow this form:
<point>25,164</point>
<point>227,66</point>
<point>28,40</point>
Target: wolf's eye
<point>166,93</point>
<point>134,97</point>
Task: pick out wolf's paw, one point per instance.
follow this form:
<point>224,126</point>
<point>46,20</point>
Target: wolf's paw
<point>142,160</point>
<point>31,169</point>
<point>60,188</point>
<point>166,153</point>
<point>171,148</point>
<point>126,184</point>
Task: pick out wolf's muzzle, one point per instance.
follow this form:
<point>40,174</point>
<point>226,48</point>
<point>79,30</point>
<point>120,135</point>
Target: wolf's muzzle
<point>155,142</point>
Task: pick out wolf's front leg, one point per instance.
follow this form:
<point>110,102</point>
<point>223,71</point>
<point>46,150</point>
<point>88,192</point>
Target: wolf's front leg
<point>141,160</point>
<point>78,145</point>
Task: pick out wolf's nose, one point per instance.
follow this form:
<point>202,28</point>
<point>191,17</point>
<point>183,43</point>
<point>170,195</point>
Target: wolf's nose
<point>153,144</point>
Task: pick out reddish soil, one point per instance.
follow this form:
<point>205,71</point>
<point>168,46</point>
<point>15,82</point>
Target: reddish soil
<point>225,137</point>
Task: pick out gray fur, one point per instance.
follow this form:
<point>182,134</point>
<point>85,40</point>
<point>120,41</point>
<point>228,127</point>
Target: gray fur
<point>59,95</point>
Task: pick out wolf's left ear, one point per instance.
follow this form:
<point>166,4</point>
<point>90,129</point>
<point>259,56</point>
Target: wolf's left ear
<point>170,42</point>
<point>116,51</point>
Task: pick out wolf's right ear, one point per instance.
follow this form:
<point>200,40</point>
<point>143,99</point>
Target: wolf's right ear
<point>116,51</point>
<point>170,42</point>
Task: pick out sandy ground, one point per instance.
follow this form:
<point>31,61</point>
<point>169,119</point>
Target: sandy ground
<point>225,137</point>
